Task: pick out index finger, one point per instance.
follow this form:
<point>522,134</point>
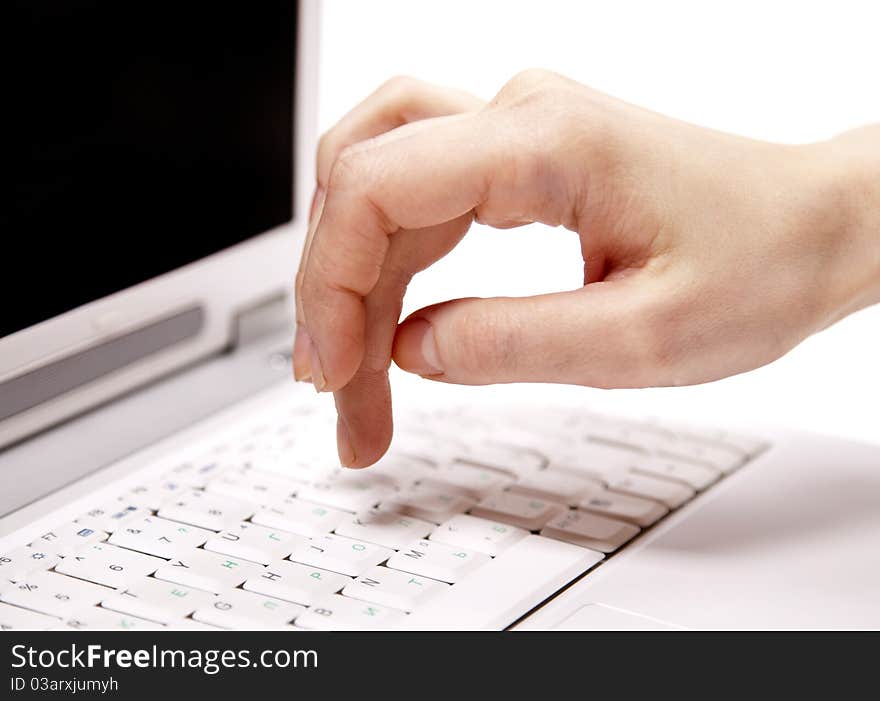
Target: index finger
<point>396,182</point>
<point>397,102</point>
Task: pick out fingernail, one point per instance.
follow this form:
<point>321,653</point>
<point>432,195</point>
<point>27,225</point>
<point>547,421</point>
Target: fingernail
<point>343,444</point>
<point>302,355</point>
<point>318,379</point>
<point>423,358</point>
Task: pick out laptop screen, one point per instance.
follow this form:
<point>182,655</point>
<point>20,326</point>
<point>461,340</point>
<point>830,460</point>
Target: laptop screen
<point>145,137</point>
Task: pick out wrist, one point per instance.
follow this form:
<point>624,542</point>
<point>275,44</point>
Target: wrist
<point>847,181</point>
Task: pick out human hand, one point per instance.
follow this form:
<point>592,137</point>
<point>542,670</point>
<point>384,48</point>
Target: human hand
<point>705,254</point>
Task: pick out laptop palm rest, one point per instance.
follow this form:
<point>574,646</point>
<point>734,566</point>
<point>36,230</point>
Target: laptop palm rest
<point>602,617</point>
<point>791,541</point>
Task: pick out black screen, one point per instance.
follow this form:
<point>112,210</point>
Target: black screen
<point>144,136</point>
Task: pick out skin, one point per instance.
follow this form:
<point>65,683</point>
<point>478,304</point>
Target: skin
<point>705,254</point>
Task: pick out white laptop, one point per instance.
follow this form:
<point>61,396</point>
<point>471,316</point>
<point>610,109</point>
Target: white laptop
<point>159,469</point>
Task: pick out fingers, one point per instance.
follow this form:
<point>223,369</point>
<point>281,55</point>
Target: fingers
<point>443,170</point>
<point>598,336</point>
<point>364,403</point>
<point>302,345</point>
<point>397,102</point>
<point>363,406</point>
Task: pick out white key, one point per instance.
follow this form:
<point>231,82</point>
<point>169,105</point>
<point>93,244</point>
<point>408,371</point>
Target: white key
<point>470,479</point>
<point>156,600</point>
<point>436,560</point>
<point>695,476</point>
<point>206,510</point>
<point>644,436</point>
<point>482,535</point>
<point>386,528</point>
<point>112,515</point>
<point>515,460</point>
<point>24,560</point>
<point>640,437</point>
<point>403,469</point>
<point>97,618</point>
<point>249,541</point>
<point>496,595</point>
<point>53,594</point>
<point>419,443</point>
<point>393,588</point>
<point>301,517</point>
<point>156,536</point>
<point>291,581</point>
<point>305,466</point>
<point>242,610</point>
<point>642,512</point>
<point>596,461</point>
<point>671,494</point>
<point>747,445</point>
<point>108,565</point>
<point>590,531</point>
<point>196,473</point>
<point>200,569</point>
<point>430,502</point>
<point>190,624</point>
<point>256,486</point>
<point>536,444</point>
<point>527,512</point>
<point>356,491</point>
<point>66,538</point>
<point>342,555</point>
<point>718,457</point>
<point>554,485</point>
<point>153,494</point>
<point>16,618</point>
<point>337,612</point>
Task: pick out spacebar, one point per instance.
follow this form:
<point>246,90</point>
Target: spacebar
<point>501,591</point>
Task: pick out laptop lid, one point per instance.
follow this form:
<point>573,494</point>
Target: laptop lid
<point>162,166</point>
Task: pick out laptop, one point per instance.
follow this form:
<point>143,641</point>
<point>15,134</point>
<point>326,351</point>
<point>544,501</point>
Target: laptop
<point>161,470</point>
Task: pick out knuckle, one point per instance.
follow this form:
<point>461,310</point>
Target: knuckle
<point>325,156</point>
<point>534,86</point>
<point>336,160</point>
<point>561,114</point>
<point>529,81</point>
<point>399,85</point>
<point>346,171</point>
<point>401,97</point>
<point>325,145</point>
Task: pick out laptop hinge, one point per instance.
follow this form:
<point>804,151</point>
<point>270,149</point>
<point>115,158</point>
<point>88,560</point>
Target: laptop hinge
<point>268,316</point>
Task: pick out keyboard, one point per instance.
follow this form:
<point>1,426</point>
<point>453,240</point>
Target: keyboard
<point>472,520</point>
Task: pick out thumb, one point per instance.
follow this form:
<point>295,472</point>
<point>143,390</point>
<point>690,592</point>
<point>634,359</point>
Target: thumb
<point>591,336</point>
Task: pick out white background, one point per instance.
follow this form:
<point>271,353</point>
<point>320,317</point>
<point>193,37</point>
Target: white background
<point>784,71</point>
